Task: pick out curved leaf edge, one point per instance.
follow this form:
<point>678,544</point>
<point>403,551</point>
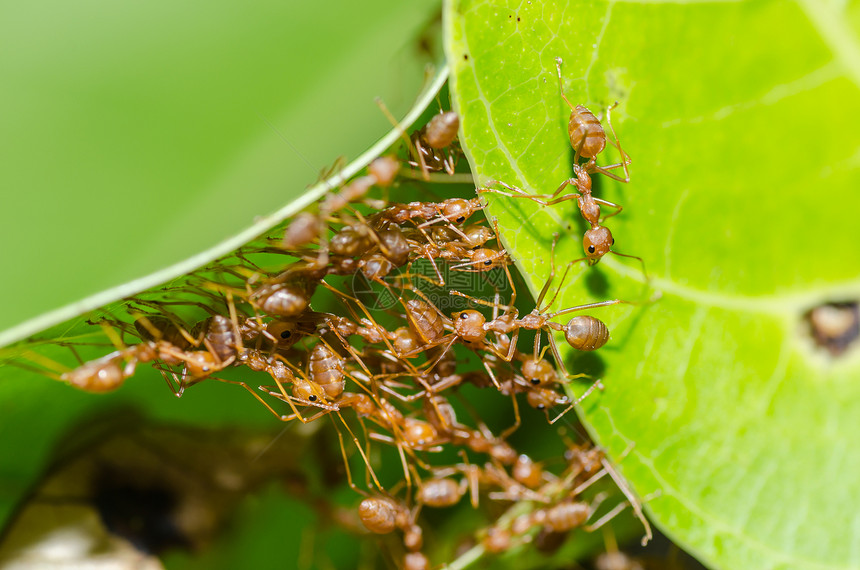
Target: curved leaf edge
<point>263,224</point>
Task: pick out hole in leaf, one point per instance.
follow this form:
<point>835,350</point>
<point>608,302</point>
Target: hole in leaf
<point>835,327</point>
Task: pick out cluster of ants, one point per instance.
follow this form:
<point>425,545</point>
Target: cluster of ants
<point>394,367</point>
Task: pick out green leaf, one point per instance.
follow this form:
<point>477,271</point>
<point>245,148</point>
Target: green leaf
<point>147,141</point>
<point>136,137</point>
<point>741,120</point>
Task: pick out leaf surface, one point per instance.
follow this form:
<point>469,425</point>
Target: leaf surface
<point>741,120</point>
<point>137,137</point>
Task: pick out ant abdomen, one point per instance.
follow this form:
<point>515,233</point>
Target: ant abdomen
<point>378,514</point>
<point>587,136</point>
<point>440,493</point>
<point>304,229</point>
<point>586,333</point>
<point>222,337</point>
<point>102,375</point>
<point>566,516</point>
<point>394,246</point>
<point>384,169</point>
<point>375,266</point>
<point>326,370</point>
<point>282,299</point>
<point>442,129</point>
<point>405,340</point>
<point>425,320</point>
<point>350,242</point>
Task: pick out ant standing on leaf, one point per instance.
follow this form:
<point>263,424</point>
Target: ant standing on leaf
<point>588,139</point>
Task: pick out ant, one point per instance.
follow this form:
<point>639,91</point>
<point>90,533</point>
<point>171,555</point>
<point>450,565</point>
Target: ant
<point>588,139</point>
<point>431,141</point>
<point>581,332</point>
<point>428,145</point>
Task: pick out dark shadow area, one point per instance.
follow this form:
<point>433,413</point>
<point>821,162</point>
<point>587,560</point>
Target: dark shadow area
<point>590,363</point>
<point>596,282</point>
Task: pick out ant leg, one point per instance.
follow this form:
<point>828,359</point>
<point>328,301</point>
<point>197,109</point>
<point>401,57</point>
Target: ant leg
<point>360,450</point>
<point>606,518</point>
<point>641,261</point>
<point>542,199</point>
<point>625,158</point>
<point>551,275</point>
<point>517,419</point>
<point>410,148</point>
<point>588,306</point>
<point>551,272</point>
<point>258,397</point>
<point>558,62</point>
<point>477,301</point>
<point>597,384</point>
<point>45,362</point>
<point>634,502</point>
<point>618,208</point>
<point>556,354</point>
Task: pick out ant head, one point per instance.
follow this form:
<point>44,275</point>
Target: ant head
<point>284,332</point>
<point>456,210</point>
<point>596,243</point>
<point>418,432</point>
<point>544,398</point>
<point>405,340</point>
<point>483,259</point>
<point>538,372</point>
<point>477,235</point>
<point>469,325</point>
<point>200,363</point>
<point>309,392</point>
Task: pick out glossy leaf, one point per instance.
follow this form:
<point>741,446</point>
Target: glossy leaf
<point>740,118</point>
<point>142,141</point>
<point>224,108</point>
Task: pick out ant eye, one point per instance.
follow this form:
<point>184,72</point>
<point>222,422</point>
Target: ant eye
<point>286,334</point>
<point>312,398</point>
<point>591,249</point>
<point>464,316</point>
<point>535,381</point>
<point>541,406</point>
<point>613,241</point>
<point>488,262</point>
